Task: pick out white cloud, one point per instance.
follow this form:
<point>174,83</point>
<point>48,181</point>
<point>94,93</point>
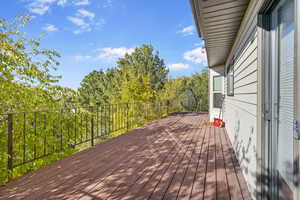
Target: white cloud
<point>111,54</point>
<point>86,13</point>
<point>84,19</point>
<point>39,10</point>
<point>77,21</point>
<point>41,7</point>
<point>82,3</point>
<point>178,66</point>
<point>81,58</point>
<point>38,7</point>
<point>50,28</point>
<point>197,56</point>
<point>82,25</point>
<point>189,30</point>
<point>62,2</point>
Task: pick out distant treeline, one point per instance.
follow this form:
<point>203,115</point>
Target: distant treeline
<point>27,81</point>
<point>140,77</point>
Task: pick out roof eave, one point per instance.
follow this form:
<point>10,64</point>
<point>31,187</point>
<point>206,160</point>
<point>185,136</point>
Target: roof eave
<point>218,46</point>
<point>194,10</point>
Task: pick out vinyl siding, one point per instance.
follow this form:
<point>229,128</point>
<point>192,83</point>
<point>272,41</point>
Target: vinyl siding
<point>240,110</point>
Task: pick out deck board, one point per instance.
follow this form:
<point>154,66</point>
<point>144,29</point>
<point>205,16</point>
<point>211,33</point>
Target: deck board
<point>178,178</point>
<point>171,172</point>
<point>210,180</point>
<point>238,171</point>
<point>187,184</point>
<point>233,183</point>
<point>199,182</point>
<point>177,157</point>
<point>222,181</point>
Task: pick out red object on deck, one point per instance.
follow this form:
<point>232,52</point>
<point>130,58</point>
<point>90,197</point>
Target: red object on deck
<point>218,122</point>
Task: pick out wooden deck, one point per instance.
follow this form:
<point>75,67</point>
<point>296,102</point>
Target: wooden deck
<point>177,157</point>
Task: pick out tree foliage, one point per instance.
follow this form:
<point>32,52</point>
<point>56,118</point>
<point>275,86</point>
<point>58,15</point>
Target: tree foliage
<point>22,59</point>
<point>143,74</point>
<point>94,88</point>
<point>26,76</point>
<point>140,77</point>
<point>27,82</point>
<point>195,91</point>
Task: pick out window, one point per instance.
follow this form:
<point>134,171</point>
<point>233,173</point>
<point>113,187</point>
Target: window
<point>217,92</point>
<point>230,81</point>
<point>217,83</point>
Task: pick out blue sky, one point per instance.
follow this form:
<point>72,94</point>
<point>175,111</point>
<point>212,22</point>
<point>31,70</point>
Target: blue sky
<point>93,34</point>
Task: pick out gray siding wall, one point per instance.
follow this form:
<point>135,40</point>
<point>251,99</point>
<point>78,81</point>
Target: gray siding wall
<point>240,110</point>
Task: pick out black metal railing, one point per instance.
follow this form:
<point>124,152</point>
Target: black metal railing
<point>32,139</point>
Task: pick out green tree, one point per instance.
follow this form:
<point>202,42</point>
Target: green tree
<point>27,83</point>
<point>25,68</point>
<point>138,78</point>
<point>92,89</point>
<point>199,87</point>
<point>194,91</point>
<point>99,87</point>
<point>142,73</point>
<point>22,59</point>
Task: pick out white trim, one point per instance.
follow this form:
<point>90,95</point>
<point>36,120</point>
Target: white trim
<point>297,95</point>
<point>261,137</point>
<point>216,71</point>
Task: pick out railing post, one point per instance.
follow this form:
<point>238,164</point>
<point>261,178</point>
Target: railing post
<point>61,130</point>
<point>127,119</point>
<point>10,146</point>
<point>97,120</point>
<point>158,113</point>
<point>75,127</point>
<point>167,107</point>
<point>147,112</point>
<point>34,146</point>
<point>92,127</point>
<point>101,120</point>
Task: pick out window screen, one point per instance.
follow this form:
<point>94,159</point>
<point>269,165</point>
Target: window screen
<point>217,84</point>
<point>218,100</point>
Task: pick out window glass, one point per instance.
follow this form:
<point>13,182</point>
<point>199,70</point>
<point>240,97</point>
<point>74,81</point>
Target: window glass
<point>218,100</point>
<point>217,85</point>
<point>285,91</point>
<point>217,92</point>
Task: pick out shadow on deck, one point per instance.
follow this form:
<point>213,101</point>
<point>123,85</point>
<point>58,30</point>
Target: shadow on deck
<point>176,157</point>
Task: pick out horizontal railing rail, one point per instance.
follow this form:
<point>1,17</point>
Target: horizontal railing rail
<point>30,139</point>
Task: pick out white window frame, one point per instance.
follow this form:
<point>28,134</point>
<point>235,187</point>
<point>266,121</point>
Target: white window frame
<point>230,82</point>
<point>217,91</point>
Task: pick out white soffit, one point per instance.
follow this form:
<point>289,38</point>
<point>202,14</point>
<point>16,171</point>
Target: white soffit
<point>218,22</point>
